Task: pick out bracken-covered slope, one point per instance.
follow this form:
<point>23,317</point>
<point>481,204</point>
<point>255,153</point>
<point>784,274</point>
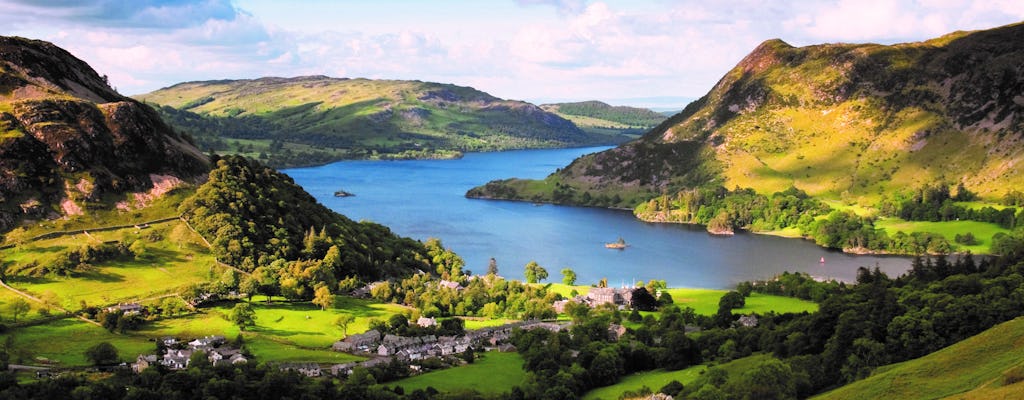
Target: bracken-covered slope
<point>387,116</point>
<point>68,142</point>
<point>835,120</point>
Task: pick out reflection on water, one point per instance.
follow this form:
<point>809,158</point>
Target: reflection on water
<point>423,199</point>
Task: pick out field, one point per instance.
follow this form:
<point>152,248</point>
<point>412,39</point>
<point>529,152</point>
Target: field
<point>705,302</point>
<point>982,231</point>
<point>972,368</point>
<point>172,259</point>
<point>500,371</point>
<point>658,378</point>
<point>63,343</point>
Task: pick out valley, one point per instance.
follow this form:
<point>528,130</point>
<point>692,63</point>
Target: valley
<point>837,220</point>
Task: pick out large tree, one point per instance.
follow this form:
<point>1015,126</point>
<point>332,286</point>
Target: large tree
<point>568,276</point>
<point>535,273</point>
<point>323,297</point>
<point>102,353</point>
<point>243,315</point>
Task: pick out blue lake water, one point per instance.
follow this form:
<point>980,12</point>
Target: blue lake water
<point>425,198</point>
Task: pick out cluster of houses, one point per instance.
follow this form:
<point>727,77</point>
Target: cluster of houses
<point>621,297</point>
<point>410,349</point>
<point>178,355</point>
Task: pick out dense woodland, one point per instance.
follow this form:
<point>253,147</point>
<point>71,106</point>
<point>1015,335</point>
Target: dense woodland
<point>632,116</point>
<point>249,212</point>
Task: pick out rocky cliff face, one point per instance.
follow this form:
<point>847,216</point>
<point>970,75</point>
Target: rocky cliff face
<point>69,142</point>
<point>838,120</point>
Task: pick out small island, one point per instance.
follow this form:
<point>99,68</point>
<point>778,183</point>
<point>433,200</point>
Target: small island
<point>618,244</point>
<point>342,193</point>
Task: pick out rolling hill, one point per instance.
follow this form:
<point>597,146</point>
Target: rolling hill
<point>976,368</point>
<point>599,117</point>
<point>362,118</point>
<point>69,143</point>
<point>851,121</point>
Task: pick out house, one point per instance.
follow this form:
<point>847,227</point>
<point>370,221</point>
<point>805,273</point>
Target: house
<point>360,342</point>
<point>126,308</point>
<point>748,321</point>
<point>606,295</point>
<point>615,332</point>
<point>176,359</point>
<point>208,341</point>
<point>385,350</point>
<point>226,355</point>
<point>426,322</point>
<point>450,285</point>
<point>144,361</point>
<point>168,341</point>
<point>309,369</point>
<point>343,369</point>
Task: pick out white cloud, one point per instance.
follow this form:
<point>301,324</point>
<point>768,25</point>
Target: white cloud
<point>571,49</point>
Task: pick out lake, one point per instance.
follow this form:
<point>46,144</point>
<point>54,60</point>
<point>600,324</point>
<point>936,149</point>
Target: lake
<point>425,198</point>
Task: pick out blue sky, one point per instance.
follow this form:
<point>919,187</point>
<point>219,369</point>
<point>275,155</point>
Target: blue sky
<point>655,53</point>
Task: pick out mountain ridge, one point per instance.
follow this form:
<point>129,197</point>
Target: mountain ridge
<point>69,142</point>
<point>851,121</point>
<point>360,118</point>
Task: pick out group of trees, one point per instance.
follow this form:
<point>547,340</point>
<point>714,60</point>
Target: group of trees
<point>250,213</point>
<point>722,209</point>
<point>936,203</point>
<point>488,296</point>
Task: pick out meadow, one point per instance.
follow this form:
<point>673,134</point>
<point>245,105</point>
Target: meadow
<point>972,368</point>
<point>655,380</point>
<point>982,231</point>
<point>492,373</point>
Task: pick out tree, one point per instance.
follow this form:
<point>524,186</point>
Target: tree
<point>242,315</point>
<point>250,286</point>
<point>323,297</point>
<point>732,300</point>
<point>342,322</point>
<point>102,353</point>
<point>492,267</point>
<point>19,307</point>
<point>535,273</point>
<point>568,276</point>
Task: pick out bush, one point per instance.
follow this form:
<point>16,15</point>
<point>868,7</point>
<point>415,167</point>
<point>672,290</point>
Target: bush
<point>1013,375</point>
<point>967,239</point>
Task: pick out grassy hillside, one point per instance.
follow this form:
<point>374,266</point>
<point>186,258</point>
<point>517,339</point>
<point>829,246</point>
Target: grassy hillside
<point>850,121</point>
<point>360,118</point>
<point>655,380</point>
<point>598,117</point>
<point>973,368</point>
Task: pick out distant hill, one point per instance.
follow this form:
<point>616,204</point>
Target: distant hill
<point>596,114</point>
<point>851,121</point>
<point>361,118</point>
<point>70,143</point>
<point>975,368</point>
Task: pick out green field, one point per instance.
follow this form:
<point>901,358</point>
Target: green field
<point>705,302</point>
<point>982,231</point>
<point>493,373</point>
<point>63,343</point>
<point>972,368</point>
<point>658,378</point>
<point>166,266</point>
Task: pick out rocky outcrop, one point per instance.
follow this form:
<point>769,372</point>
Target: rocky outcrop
<point>68,140</point>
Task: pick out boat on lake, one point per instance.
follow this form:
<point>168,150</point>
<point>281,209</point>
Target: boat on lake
<point>618,244</point>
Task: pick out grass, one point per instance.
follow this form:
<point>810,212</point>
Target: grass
<point>982,231</point>
<point>493,373</point>
<point>167,265</point>
<point>63,343</point>
<point>972,368</point>
<point>658,378</point>
<point>479,323</point>
<point>652,379</point>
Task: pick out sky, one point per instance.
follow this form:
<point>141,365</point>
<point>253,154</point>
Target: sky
<point>656,53</point>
